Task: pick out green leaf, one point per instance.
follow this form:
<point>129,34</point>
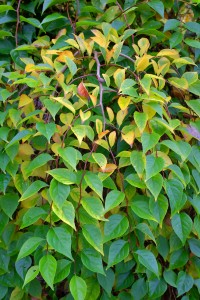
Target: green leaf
<point>174,190</point>
<point>4,8</point>
<point>94,183</point>
<point>33,189</point>
<point>19,136</point>
<point>93,235</point>
<point>62,175</point>
<point>194,246</point>
<point>32,215</point>
<point>93,288</point>
<point>184,283</point>
<point>59,192</point>
<point>148,260</point>
<point>178,258</point>
<point>138,162</point>
<point>140,207</point>
<point>171,24</point>
<point>71,65</point>
<point>170,277</point>
<point>31,274</point>
<point>87,23</point>
<point>118,251</point>
<point>192,43</point>
<point>37,162</point>
<point>113,199</point>
<point>154,184</point>
<point>47,267</point>
<point>32,21</point>
<point>157,287</point>
<point>182,225</point>
<point>153,166</point>
<point>177,171</point>
<point>175,39</point>
<point>159,208</point>
<point>70,155</point>
<point>66,213</point>
<point>195,88</point>
<point>116,226</point>
<point>47,130</point>
<point>29,247</point>
<point>78,288</point>
<point>140,120</point>
<point>100,159</point>
<point>195,106</point>
<point>60,240</point>
<point>92,260</point>
<point>94,207</point>
<point>107,281</point>
<point>193,26</point>
<point>139,289</point>
<point>9,203</point>
<point>158,6</point>
<point>146,230</point>
<point>62,270</point>
<point>134,180</point>
<point>52,106</point>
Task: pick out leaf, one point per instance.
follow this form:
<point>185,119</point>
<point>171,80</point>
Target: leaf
<point>32,215</point>
<point>143,62</point>
<point>118,251</point>
<point>47,130</point>
<point>140,120</point>
<point>179,258</point>
<point>4,8</point>
<point>113,199</point>
<point>62,175</point>
<point>60,240</point>
<point>195,106</point>
<point>92,260</point>
<point>33,189</point>
<point>139,289</point>
<point>171,24</point>
<point>146,230</point>
<point>62,270</point>
<point>71,65</point>
<point>78,288</point>
<point>154,184</point>
<point>149,140</point>
<point>192,43</point>
<point>194,246</point>
<point>29,247</point>
<point>158,6</point>
<point>182,225</point>
<point>138,162</point>
<point>94,183</point>
<point>159,208</point>
<point>59,192</point>
<point>47,266</point>
<point>134,180</point>
<point>100,159</point>
<point>93,235</point>
<point>174,190</point>
<point>140,207</point>
<point>37,162</point>
<point>107,281</point>
<point>148,260</point>
<point>94,207</point>
<point>181,148</point>
<point>66,213</point>
<point>31,274</point>
<point>70,155</point>
<point>116,226</point>
<point>9,203</point>
<point>153,166</point>
<point>184,283</point>
<point>175,39</point>
<point>157,287</point>
<point>19,136</point>
<point>49,3</point>
<point>82,91</point>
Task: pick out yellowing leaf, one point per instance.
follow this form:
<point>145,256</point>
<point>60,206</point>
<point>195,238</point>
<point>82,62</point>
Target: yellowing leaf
<point>84,116</point>
<point>144,45</point>
<point>109,55</point>
<point>180,83</point>
<point>172,53</point>
<point>99,126</point>
<point>66,118</point>
<point>109,168</point>
<point>65,103</point>
<point>119,77</point>
<point>121,115</point>
<point>110,114</point>
<point>128,134</point>
<point>124,102</point>
<point>73,43</point>
<point>99,38</point>
<point>143,62</point>
<point>24,100</point>
<point>102,134</point>
<point>25,150</point>
<point>29,68</point>
<point>112,138</point>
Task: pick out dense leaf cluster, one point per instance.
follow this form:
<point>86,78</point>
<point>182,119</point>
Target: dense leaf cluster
<point>99,150</point>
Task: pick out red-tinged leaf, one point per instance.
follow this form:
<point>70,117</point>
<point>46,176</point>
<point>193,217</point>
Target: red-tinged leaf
<point>82,91</point>
<point>109,168</point>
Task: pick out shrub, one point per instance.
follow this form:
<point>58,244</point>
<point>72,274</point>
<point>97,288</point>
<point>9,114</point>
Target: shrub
<point>99,149</point>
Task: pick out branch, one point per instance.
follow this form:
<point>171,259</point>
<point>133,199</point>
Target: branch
<point>100,80</point>
<point>127,57</point>
<point>18,22</point>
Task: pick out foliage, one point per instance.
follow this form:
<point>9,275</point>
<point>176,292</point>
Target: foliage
<point>99,149</point>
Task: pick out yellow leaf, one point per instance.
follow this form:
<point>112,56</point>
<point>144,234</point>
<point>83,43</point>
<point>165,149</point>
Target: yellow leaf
<point>119,77</point>
<point>93,99</point>
<point>109,55</point>
<point>84,116</point>
<point>129,136</point>
<point>63,55</point>
<point>99,38</point>
<point>112,138</point>
<point>172,53</point>
<point>99,126</point>
<point>24,100</point>
<point>73,43</point>
<point>180,83</point>
<point>65,103</point>
<point>109,168</point>
<point>66,118</point>
<point>136,48</point>
<point>110,114</point>
<point>25,150</point>
<point>80,42</point>
<point>55,147</point>
<point>121,115</point>
<point>102,134</point>
<point>143,62</point>
<point>29,68</point>
<point>107,79</point>
<point>103,144</point>
<point>149,111</point>
<point>144,45</point>
<point>123,102</point>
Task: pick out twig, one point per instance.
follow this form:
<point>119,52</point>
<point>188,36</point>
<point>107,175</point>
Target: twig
<point>70,20</point>
<point>81,77</point>
<point>100,80</point>
<point>127,57</point>
<point>125,18</point>
<point>18,22</point>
